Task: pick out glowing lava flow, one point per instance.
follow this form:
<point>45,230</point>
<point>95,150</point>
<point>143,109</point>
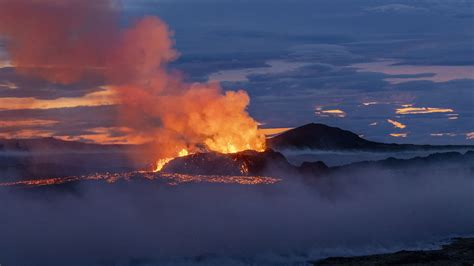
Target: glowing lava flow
<point>162,162</point>
<point>225,149</point>
<point>169,179</point>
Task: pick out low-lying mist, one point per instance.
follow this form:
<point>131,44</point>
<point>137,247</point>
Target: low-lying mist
<point>297,220</point>
<point>338,158</point>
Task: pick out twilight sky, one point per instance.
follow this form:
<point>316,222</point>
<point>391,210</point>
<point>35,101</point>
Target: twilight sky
<point>392,71</point>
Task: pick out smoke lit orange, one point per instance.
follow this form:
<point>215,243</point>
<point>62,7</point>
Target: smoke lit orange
<point>65,42</point>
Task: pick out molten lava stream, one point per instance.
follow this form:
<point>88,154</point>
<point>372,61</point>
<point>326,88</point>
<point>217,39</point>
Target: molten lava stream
<point>162,162</point>
<point>225,149</point>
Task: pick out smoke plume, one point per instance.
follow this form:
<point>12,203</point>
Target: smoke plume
<point>69,41</point>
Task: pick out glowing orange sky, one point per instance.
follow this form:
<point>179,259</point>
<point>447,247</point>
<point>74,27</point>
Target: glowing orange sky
<point>99,98</point>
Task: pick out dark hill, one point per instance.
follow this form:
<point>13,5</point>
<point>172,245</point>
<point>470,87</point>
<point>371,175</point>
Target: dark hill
<point>319,136</point>
<point>247,163</point>
<point>435,159</point>
<point>322,137</point>
<point>272,163</point>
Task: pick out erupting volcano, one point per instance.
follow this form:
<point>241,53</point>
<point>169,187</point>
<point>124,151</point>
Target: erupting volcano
<point>79,40</point>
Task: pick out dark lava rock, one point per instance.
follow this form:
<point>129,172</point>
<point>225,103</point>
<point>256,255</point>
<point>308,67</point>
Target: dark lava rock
<point>272,163</point>
<point>460,252</point>
<point>249,163</point>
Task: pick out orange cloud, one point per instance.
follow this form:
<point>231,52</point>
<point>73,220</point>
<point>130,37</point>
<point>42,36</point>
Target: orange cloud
<point>26,134</point>
<point>273,131</point>
<point>27,123</point>
<point>108,135</point>
<point>396,124</point>
<point>99,98</point>
<point>331,112</point>
<point>422,110</point>
<point>399,135</point>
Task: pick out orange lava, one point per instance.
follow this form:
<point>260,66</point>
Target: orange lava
<point>169,179</point>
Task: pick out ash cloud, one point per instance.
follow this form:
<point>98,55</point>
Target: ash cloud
<point>365,211</point>
<point>80,39</point>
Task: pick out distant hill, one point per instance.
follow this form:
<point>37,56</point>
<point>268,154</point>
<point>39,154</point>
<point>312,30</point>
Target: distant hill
<point>322,137</point>
<point>435,159</point>
<point>272,163</point>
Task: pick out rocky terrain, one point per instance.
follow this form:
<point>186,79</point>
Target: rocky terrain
<point>459,252</point>
<point>272,163</point>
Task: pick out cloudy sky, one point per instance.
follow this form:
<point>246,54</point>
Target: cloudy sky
<point>392,71</point>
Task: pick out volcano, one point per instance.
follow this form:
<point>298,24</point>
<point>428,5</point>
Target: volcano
<point>248,162</point>
<point>322,137</point>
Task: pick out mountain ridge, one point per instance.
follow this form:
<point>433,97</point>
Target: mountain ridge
<point>314,136</point>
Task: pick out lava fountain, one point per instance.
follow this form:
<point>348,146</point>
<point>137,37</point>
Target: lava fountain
<point>162,162</point>
<point>81,40</point>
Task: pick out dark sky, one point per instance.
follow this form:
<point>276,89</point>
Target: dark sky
<point>393,71</point>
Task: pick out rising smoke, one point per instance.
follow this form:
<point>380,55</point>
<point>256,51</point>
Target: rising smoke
<point>71,41</point>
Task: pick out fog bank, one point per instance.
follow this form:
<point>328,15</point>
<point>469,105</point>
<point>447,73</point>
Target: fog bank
<point>135,223</point>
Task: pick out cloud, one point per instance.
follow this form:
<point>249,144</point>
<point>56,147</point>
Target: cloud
<point>396,8</point>
<point>13,84</point>
<point>470,135</point>
<point>396,124</point>
<point>99,98</point>
<point>399,135</point>
<point>398,73</point>
<point>239,75</point>
<point>26,123</point>
<point>330,112</point>
<point>107,135</point>
<point>422,110</point>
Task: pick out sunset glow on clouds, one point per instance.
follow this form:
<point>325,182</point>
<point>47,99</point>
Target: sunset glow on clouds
<point>273,131</point>
<point>99,98</point>
<point>27,123</point>
<point>330,112</point>
<point>26,134</point>
<point>422,110</point>
<point>399,135</point>
<point>396,124</point>
<point>111,135</point>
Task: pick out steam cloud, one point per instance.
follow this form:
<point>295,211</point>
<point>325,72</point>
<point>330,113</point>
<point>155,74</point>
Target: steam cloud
<point>69,41</point>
